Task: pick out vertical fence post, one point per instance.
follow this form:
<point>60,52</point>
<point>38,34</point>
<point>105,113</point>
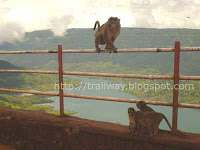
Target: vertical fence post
<point>60,79</point>
<point>175,85</point>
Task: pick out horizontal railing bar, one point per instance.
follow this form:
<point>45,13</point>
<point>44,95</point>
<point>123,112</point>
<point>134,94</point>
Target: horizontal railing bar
<point>103,98</point>
<point>131,100</point>
<point>29,92</point>
<point>189,77</point>
<point>189,49</point>
<point>29,52</point>
<point>118,99</point>
<point>119,75</point>
<point>29,71</point>
<point>164,77</point>
<point>132,50</point>
<point>104,74</point>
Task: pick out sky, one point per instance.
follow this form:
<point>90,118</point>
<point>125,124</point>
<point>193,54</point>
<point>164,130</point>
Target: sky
<point>20,16</point>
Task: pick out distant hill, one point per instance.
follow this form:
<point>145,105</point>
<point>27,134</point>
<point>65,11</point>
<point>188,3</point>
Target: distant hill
<point>7,65</point>
<point>129,38</point>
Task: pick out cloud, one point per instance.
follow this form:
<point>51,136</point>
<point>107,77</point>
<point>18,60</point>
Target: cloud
<point>59,15</point>
<point>142,13</point>
<point>60,24</point>
<point>165,14</point>
<point>11,32</point>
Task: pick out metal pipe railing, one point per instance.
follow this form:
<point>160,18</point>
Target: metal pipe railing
<point>132,50</point>
<point>114,99</point>
<point>176,77</point>
<point>136,76</point>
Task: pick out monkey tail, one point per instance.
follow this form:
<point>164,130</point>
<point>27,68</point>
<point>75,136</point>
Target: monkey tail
<point>167,122</point>
<point>96,23</point>
<point>179,132</point>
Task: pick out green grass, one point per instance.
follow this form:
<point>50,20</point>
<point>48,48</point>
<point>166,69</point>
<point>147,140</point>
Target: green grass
<point>35,82</point>
<point>31,82</point>
<point>43,108</point>
<point>57,112</point>
<point>29,103</point>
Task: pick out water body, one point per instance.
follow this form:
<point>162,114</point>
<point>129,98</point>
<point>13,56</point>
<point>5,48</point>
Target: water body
<point>116,112</point>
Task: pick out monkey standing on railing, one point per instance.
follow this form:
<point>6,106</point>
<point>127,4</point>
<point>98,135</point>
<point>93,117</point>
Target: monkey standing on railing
<point>107,33</point>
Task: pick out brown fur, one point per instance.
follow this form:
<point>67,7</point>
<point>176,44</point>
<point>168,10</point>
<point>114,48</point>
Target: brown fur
<point>132,122</point>
<point>149,121</point>
<point>134,126</point>
<point>141,105</point>
<point>155,120</point>
<point>107,33</point>
<point>152,120</point>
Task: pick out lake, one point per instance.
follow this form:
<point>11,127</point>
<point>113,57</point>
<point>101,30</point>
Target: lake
<point>116,112</point>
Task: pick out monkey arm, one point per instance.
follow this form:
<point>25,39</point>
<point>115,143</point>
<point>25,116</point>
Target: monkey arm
<point>108,39</point>
<point>113,39</point>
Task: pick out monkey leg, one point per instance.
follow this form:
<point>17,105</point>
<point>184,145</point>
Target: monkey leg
<point>132,131</point>
<point>107,47</point>
<point>130,127</point>
<point>155,129</point>
<point>114,50</point>
<point>113,39</point>
<point>141,128</point>
<point>149,129</point>
<point>97,41</point>
<point>111,45</point>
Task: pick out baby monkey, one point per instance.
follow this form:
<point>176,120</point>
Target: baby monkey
<point>138,124</point>
<point>132,121</point>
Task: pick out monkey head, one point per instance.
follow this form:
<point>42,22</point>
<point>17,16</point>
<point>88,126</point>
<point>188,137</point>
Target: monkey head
<point>114,23</point>
<point>141,105</point>
<point>131,111</point>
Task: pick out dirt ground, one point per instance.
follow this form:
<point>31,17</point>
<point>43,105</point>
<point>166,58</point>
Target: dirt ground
<point>32,130</point>
<point>4,147</point>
